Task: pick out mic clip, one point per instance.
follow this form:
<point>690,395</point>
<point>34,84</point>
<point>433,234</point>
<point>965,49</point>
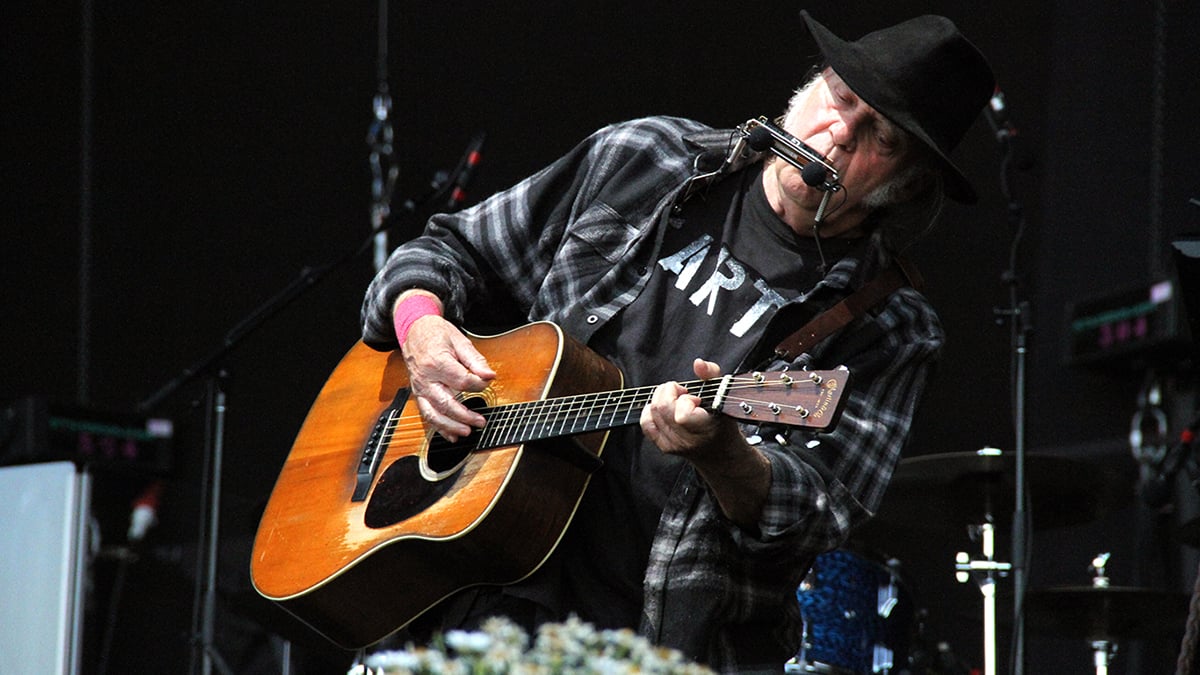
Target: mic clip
<point>763,135</point>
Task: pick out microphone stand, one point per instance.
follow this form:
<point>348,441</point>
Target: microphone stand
<point>204,652</point>
<point>1019,317</point>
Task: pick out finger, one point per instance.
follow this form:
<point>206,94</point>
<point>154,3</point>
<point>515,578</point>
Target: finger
<point>706,370</point>
<point>477,373</point>
<point>444,399</point>
<point>687,411</point>
<point>444,420</point>
<point>659,416</point>
<point>662,401</point>
<point>646,421</point>
<point>689,420</point>
<point>443,354</point>
<point>441,359</point>
<point>672,405</point>
<point>657,410</point>
<point>452,407</point>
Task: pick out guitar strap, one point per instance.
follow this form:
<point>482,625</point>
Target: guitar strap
<point>889,279</point>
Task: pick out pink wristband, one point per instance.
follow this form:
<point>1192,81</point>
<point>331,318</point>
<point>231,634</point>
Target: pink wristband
<point>409,310</point>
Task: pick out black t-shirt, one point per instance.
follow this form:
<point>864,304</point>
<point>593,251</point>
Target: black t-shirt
<point>727,264</point>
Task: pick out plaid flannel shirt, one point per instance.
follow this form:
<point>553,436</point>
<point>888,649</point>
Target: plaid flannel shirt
<point>573,244</point>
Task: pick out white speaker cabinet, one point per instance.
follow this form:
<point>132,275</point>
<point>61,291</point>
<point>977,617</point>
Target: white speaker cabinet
<point>43,524</point>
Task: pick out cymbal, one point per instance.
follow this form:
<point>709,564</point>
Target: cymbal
<point>952,490</point>
<point>1112,613</point>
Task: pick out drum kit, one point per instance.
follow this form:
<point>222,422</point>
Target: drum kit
<point>860,616</point>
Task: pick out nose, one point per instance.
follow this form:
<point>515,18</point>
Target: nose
<point>843,133</point>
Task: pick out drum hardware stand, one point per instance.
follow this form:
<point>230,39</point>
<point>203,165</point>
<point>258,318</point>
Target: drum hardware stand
<point>1103,651</point>
<point>1019,317</point>
<point>985,572</point>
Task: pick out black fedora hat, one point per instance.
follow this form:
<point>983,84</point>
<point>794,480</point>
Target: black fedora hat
<point>921,74</point>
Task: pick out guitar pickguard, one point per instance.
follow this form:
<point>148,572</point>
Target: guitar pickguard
<point>403,493</point>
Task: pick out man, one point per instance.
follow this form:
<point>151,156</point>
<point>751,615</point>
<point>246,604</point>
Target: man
<point>661,240</point>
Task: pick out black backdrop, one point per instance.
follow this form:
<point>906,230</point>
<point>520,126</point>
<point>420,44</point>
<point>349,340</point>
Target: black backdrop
<point>226,152</point>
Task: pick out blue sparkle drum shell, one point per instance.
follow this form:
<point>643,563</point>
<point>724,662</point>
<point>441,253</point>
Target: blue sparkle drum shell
<point>858,616</point>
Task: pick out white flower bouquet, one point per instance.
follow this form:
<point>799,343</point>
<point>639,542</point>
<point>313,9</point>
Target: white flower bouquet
<point>502,648</point>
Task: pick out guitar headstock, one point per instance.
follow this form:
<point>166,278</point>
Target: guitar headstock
<point>801,398</point>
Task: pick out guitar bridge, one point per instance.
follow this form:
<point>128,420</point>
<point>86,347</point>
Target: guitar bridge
<point>376,445</point>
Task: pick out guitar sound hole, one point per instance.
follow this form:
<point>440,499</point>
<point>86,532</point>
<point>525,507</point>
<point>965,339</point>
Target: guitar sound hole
<point>444,455</point>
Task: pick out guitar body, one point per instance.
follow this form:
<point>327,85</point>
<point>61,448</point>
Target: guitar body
<point>357,570</point>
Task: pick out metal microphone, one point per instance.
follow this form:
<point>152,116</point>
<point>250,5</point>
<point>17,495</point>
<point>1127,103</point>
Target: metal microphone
<point>763,135</point>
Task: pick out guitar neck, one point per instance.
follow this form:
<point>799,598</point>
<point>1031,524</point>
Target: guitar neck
<point>805,398</point>
<point>518,423</point>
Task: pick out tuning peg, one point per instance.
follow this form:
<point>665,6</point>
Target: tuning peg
<point>755,436</point>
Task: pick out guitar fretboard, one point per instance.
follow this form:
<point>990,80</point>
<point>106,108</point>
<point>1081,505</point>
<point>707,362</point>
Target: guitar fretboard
<point>569,415</point>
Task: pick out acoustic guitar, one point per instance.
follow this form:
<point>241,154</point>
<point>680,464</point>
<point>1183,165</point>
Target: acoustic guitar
<point>374,519</point>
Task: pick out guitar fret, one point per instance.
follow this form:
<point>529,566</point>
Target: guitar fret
<point>510,425</point>
<point>505,421</point>
<point>619,407</point>
<point>568,414</point>
<point>590,411</point>
<point>579,404</point>
<point>525,414</point>
<point>588,407</point>
<point>642,397</point>
<point>554,414</point>
<point>545,418</point>
<point>595,414</point>
<point>487,432</point>
<point>535,410</point>
<point>612,405</point>
<point>494,428</point>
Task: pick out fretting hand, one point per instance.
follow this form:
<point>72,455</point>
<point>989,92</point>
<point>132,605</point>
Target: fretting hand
<point>738,474</point>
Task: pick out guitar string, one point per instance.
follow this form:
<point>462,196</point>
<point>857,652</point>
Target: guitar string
<point>410,427</point>
<point>548,414</point>
<point>546,407</point>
